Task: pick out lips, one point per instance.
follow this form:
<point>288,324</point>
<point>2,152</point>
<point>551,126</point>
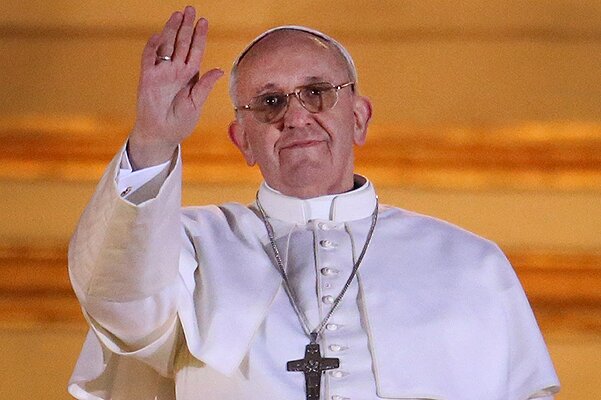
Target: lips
<point>299,144</point>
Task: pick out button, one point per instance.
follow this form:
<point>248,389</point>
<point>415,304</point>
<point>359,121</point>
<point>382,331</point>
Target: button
<point>327,285</point>
<point>328,299</point>
<point>328,226</point>
<point>324,226</point>
<point>337,374</point>
<point>335,347</point>
<point>126,191</point>
<point>329,271</point>
<point>327,244</point>
<point>331,327</point>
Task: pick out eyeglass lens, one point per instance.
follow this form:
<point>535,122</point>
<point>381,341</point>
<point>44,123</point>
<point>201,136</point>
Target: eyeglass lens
<point>315,98</point>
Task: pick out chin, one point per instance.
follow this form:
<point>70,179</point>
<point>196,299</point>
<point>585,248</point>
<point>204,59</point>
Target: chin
<point>307,171</point>
<point>312,182</point>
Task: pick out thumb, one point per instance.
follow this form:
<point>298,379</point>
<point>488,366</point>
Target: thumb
<point>201,89</point>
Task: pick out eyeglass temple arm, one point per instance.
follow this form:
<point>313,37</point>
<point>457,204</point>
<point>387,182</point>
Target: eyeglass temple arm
<point>351,83</point>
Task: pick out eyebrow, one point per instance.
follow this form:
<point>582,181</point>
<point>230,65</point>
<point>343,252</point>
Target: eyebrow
<point>272,86</point>
<point>266,87</point>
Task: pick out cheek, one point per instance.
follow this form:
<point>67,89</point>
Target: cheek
<point>340,128</point>
<point>263,144</point>
<point>343,114</point>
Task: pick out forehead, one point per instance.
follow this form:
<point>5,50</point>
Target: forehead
<point>290,57</point>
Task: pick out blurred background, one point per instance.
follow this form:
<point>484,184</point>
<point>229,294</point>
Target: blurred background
<point>486,114</point>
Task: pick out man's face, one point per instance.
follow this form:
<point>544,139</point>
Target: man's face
<point>303,154</point>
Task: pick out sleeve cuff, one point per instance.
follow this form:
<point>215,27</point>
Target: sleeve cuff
<point>128,181</point>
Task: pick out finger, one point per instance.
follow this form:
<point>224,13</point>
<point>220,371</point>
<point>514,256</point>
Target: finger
<point>198,42</point>
<point>184,35</point>
<point>149,54</point>
<point>169,33</point>
<point>203,87</point>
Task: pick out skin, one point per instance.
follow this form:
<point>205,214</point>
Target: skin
<point>303,155</point>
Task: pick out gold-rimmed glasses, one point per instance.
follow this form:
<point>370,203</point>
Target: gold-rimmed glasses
<point>315,98</point>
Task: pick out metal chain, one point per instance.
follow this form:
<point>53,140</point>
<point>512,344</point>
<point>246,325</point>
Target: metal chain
<point>314,334</point>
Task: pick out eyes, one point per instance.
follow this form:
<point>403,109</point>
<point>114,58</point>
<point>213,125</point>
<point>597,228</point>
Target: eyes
<point>308,93</point>
<point>317,90</point>
<point>271,100</point>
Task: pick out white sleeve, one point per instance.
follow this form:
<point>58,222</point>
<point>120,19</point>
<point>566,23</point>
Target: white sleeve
<point>129,181</point>
<point>124,264</point>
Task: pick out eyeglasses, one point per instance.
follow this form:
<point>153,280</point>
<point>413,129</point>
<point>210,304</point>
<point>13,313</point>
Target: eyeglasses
<point>315,98</point>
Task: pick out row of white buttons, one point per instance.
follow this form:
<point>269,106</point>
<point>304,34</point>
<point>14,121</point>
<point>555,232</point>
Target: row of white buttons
<point>328,271</point>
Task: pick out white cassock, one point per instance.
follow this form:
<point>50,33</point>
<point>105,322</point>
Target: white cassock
<point>187,303</point>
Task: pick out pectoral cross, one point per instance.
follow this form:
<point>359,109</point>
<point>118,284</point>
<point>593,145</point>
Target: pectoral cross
<point>313,366</point>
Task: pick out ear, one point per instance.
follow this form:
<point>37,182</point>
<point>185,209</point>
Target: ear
<point>238,136</point>
<point>362,113</point>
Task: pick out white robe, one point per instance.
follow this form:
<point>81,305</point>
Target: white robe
<point>442,312</point>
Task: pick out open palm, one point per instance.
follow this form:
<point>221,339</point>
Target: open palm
<point>171,91</point>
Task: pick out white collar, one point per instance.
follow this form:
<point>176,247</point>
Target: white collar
<point>349,206</point>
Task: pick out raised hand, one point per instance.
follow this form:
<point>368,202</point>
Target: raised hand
<point>171,91</point>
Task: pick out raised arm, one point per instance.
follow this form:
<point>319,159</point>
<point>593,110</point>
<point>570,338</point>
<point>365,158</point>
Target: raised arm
<point>125,254</point>
<point>171,91</point>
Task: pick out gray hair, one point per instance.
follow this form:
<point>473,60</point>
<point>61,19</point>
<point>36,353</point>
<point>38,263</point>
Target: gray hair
<point>350,64</point>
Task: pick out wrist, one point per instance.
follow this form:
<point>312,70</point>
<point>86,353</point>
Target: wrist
<point>144,154</point>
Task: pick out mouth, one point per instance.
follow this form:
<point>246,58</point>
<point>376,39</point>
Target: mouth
<point>301,144</point>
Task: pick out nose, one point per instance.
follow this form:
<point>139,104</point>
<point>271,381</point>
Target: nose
<point>295,115</point>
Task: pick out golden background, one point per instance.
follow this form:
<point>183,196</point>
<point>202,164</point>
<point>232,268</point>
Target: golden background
<point>486,114</point>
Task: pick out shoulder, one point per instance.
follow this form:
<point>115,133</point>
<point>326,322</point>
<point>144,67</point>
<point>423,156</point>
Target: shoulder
<point>419,227</point>
<point>221,212</point>
<point>439,245</point>
<point>228,217</point>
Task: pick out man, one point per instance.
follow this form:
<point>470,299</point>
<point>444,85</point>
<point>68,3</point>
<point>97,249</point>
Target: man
<point>312,292</point>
